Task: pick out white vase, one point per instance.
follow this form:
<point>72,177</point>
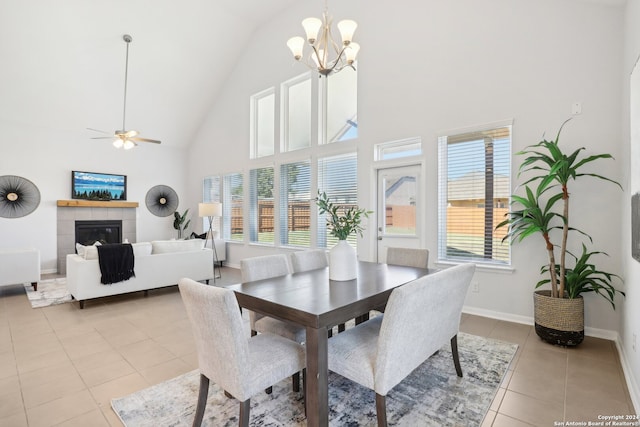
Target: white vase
<point>343,262</point>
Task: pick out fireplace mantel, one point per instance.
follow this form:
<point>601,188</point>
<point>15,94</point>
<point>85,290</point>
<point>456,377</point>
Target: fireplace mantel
<point>96,204</point>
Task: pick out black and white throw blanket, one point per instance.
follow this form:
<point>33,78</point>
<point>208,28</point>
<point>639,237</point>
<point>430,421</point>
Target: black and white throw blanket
<point>116,263</point>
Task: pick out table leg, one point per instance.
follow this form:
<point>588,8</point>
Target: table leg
<point>317,396</point>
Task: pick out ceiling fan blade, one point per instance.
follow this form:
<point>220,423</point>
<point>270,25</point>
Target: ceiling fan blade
<point>103,137</point>
<point>98,130</point>
<point>155,141</point>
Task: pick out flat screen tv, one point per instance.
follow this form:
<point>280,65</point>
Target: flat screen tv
<point>98,186</point>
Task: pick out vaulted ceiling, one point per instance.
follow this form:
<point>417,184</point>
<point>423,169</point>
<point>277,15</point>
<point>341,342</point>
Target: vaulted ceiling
<point>63,62</point>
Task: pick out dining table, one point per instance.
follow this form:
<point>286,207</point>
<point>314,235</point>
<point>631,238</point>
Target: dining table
<point>313,301</point>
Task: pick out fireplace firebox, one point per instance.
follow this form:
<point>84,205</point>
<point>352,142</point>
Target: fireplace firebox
<point>103,231</point>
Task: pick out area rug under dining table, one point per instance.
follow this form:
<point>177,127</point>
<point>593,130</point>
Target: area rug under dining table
<point>433,395</point>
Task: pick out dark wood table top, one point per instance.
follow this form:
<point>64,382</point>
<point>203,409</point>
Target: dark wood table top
<point>310,299</point>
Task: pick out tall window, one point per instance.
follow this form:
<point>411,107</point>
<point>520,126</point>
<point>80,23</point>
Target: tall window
<point>233,198</point>
<point>295,204</point>
<point>338,177</point>
<point>261,208</point>
<point>262,129</point>
<point>474,190</point>
<point>339,107</point>
<point>296,113</point>
<point>211,193</point>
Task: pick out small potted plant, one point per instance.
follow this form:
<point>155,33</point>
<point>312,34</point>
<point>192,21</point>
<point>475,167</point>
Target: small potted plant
<point>179,222</point>
<point>544,211</point>
<point>342,223</point>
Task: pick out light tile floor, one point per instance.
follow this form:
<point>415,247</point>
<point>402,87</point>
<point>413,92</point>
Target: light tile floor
<point>60,366</point>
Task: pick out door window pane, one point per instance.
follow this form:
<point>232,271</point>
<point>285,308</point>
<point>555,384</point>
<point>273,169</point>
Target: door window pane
<point>400,192</point>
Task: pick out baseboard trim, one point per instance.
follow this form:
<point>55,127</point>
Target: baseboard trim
<point>632,383</point>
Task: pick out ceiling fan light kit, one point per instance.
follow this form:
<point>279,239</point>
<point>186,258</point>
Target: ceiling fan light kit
<point>126,139</point>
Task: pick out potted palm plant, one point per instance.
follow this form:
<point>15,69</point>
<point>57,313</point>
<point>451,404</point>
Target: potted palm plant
<point>544,210</point>
<point>342,223</point>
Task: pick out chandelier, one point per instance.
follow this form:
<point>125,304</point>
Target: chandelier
<point>326,55</point>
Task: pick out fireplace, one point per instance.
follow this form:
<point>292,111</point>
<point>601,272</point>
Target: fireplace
<point>103,231</point>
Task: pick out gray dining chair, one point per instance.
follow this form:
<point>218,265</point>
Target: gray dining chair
<point>408,256</point>
<point>307,260</point>
<point>240,365</point>
<point>380,353</point>
<point>266,267</point>
<point>312,259</point>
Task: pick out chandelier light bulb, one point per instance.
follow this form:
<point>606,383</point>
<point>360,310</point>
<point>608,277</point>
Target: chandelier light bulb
<point>296,44</point>
<point>118,143</point>
<point>347,27</point>
<point>128,144</point>
<point>311,27</point>
<point>351,52</point>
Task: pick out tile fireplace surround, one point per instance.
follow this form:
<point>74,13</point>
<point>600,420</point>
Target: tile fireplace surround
<point>67,216</point>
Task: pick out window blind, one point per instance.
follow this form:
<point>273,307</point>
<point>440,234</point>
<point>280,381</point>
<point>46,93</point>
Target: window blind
<point>474,192</point>
<point>232,207</point>
<point>211,193</point>
<point>261,205</point>
<point>295,204</point>
<point>338,177</point>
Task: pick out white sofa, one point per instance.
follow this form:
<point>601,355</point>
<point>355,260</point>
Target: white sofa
<point>19,266</point>
<point>157,264</point>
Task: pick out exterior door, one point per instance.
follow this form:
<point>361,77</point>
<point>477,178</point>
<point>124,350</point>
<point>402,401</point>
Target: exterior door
<point>399,208</point>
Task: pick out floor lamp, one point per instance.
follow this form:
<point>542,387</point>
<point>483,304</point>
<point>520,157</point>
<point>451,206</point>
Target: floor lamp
<point>212,210</point>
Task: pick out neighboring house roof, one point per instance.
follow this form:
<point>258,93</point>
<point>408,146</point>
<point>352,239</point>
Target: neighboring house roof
<point>470,186</point>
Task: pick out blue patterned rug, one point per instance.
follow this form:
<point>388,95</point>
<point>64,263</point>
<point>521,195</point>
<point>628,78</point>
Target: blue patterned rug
<point>432,395</point>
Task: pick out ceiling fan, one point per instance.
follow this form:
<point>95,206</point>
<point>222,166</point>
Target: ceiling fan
<point>126,139</point>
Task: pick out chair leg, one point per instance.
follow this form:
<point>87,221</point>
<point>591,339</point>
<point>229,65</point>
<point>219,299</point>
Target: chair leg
<point>381,410</point>
<point>454,352</point>
<point>341,327</point>
<point>295,378</point>
<point>244,413</point>
<point>304,389</point>
<point>254,333</point>
<point>202,400</point>
<point>268,390</point>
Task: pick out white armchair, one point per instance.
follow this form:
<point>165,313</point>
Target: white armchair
<point>19,266</point>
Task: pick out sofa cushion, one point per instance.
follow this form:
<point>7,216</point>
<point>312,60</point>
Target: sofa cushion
<point>169,246</point>
<point>141,249</point>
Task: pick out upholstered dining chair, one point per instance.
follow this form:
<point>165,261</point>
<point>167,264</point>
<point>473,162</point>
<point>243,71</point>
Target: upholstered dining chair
<point>311,259</point>
<point>380,353</point>
<point>240,365</point>
<point>265,267</point>
<point>409,257</point>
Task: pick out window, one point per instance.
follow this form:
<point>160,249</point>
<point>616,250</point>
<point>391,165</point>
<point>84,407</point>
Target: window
<point>339,114</point>
<point>296,113</point>
<point>232,215</point>
<point>398,149</point>
<point>261,208</point>
<point>262,129</point>
<point>211,193</point>
<point>474,182</point>
<point>338,177</point>
<point>295,204</point>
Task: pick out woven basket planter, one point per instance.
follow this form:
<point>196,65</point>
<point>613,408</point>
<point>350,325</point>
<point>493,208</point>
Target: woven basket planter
<point>559,321</point>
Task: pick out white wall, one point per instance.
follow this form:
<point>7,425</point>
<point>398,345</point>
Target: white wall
<point>631,154</point>
<point>430,66</point>
<point>47,156</point>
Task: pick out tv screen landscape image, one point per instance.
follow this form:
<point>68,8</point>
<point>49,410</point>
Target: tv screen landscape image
<point>98,186</point>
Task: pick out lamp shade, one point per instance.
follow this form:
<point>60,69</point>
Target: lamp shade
<point>347,27</point>
<point>210,209</point>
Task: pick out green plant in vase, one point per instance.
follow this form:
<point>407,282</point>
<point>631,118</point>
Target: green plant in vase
<point>179,222</point>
